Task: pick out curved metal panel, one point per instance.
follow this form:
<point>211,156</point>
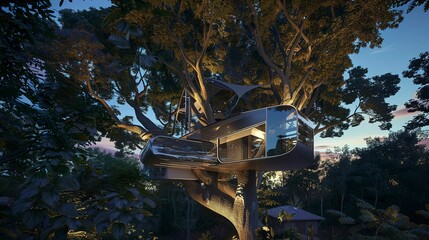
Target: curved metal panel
<point>176,152</point>
<point>274,138</point>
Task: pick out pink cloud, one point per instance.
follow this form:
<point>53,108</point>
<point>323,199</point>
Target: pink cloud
<point>425,142</point>
<point>403,112</point>
<point>105,145</point>
<point>108,146</point>
<point>323,147</point>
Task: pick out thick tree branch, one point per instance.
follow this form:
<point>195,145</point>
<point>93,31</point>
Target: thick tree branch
<point>310,107</point>
<point>204,176</point>
<point>263,54</point>
<point>145,121</point>
<point>211,179</point>
<point>291,21</point>
<point>302,82</point>
<point>118,123</point>
<point>288,64</point>
<point>318,130</point>
<point>200,95</point>
<point>210,198</point>
<point>279,44</point>
<point>205,44</point>
<point>302,100</point>
<point>182,49</point>
<point>227,188</point>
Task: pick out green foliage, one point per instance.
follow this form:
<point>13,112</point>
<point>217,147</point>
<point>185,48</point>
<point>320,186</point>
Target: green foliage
<point>22,24</point>
<point>90,201</point>
<point>386,223</point>
<point>183,44</point>
<point>414,3</point>
<point>285,216</point>
<point>57,83</point>
<point>369,95</point>
<point>50,187</point>
<point>418,70</point>
<point>265,232</point>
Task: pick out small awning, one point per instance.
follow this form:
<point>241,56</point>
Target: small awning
<point>240,90</point>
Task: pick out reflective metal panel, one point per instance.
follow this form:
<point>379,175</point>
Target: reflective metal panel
<point>183,149</point>
<point>165,151</point>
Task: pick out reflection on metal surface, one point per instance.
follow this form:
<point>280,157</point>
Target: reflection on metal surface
<point>274,138</point>
<point>174,150</point>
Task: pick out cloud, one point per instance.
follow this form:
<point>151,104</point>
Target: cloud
<point>388,48</point>
<point>425,142</point>
<point>403,112</point>
<point>323,147</point>
<point>106,144</point>
<point>109,147</point>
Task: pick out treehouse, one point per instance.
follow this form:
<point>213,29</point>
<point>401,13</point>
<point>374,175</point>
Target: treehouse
<point>266,139</point>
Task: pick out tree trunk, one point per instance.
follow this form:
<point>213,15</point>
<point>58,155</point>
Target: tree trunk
<point>247,214</point>
<point>241,210</point>
<point>188,225</point>
<point>321,203</point>
<point>376,192</point>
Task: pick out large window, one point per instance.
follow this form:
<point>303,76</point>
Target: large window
<point>245,144</point>
<point>305,132</point>
<point>282,129</point>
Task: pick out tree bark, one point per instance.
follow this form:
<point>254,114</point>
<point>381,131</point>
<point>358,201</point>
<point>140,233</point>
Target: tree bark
<point>241,210</point>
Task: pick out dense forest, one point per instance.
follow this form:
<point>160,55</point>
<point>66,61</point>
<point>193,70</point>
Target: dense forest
<point>66,84</point>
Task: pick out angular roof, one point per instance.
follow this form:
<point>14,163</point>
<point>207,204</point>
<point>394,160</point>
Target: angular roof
<point>299,214</point>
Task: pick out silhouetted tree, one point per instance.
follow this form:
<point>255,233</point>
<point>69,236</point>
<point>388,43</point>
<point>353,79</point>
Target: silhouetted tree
<point>418,70</point>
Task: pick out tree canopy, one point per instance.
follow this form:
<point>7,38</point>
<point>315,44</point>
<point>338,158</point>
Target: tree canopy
<point>64,87</point>
<point>299,50</point>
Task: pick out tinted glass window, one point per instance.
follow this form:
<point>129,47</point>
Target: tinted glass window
<point>281,130</point>
<point>305,133</point>
<point>245,144</point>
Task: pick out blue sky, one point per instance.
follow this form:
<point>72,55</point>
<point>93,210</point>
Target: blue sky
<point>399,46</point>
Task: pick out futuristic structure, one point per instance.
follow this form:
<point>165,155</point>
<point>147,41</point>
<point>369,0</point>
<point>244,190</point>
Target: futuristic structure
<point>272,138</point>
